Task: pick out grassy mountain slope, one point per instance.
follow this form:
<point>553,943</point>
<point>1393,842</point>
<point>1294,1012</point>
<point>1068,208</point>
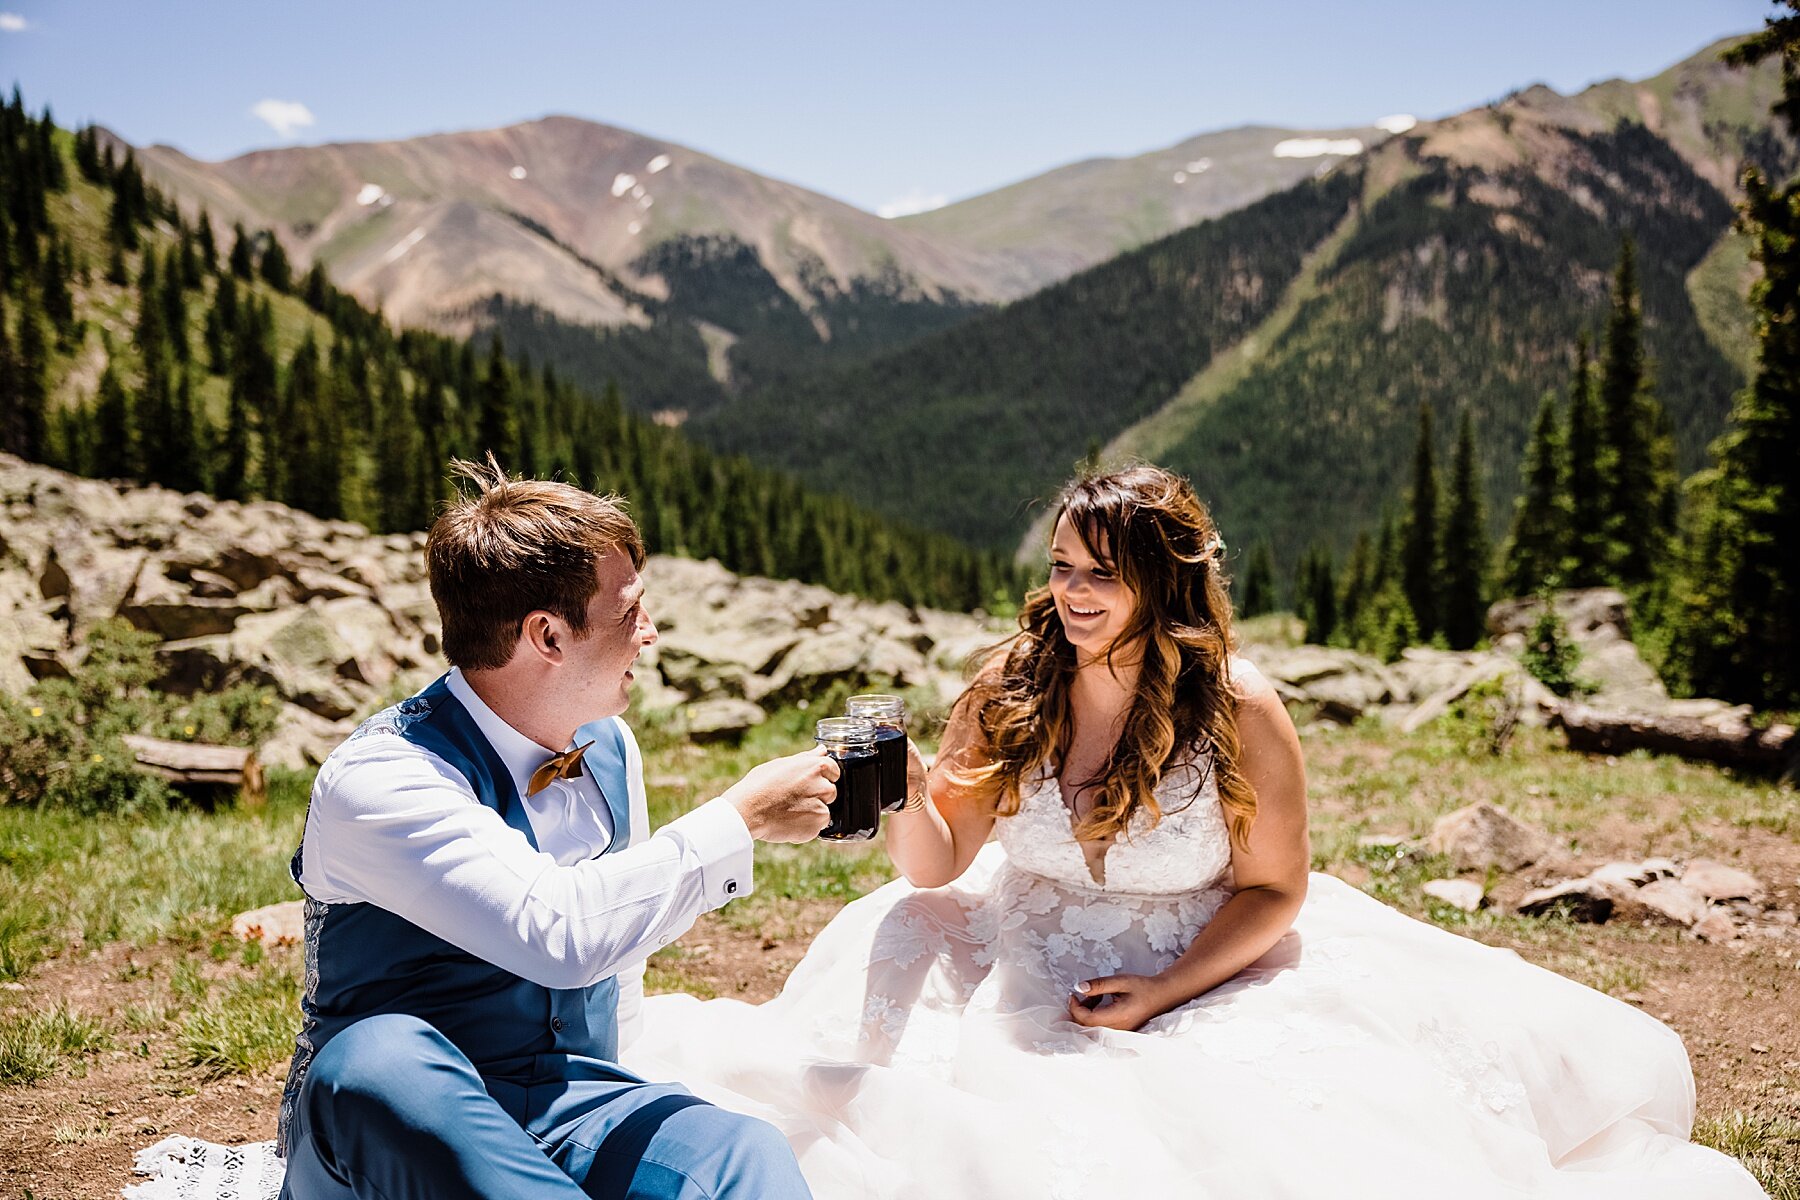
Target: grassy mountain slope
<point>1461,288</point>
<point>1075,216</point>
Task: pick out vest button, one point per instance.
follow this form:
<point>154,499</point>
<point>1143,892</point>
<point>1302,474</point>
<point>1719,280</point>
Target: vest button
<point>556,1024</point>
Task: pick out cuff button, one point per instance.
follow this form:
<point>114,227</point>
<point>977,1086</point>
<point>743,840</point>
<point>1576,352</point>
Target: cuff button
<point>731,887</point>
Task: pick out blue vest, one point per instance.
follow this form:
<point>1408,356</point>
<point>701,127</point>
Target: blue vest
<point>362,961</point>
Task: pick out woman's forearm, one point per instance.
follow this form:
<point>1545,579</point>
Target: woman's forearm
<point>921,846</point>
<point>1245,929</point>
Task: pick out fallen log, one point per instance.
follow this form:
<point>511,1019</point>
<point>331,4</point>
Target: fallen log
<point>199,767</point>
<point>1774,750</point>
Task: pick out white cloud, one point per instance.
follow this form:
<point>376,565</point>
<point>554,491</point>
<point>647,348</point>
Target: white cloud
<point>1398,123</point>
<point>1316,147</point>
<point>283,116</point>
<point>13,23</point>
<point>916,201</point>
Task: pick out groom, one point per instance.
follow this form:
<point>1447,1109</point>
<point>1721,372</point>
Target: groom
<point>482,888</point>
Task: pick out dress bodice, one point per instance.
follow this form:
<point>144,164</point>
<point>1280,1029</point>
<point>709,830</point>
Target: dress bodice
<point>1188,850</point>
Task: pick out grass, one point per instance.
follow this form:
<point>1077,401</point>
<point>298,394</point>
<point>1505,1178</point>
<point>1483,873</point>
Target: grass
<point>248,1025</point>
<point>70,880</point>
<point>34,1045</point>
<point>1769,1147</point>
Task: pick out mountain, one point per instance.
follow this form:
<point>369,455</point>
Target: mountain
<point>1278,354</point>
<point>1063,221</point>
<point>686,280</point>
<point>137,346</point>
<point>647,250</point>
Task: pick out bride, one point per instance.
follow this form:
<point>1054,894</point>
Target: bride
<point>1136,987</point>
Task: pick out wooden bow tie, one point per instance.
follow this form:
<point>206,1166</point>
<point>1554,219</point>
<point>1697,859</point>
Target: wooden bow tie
<point>566,765</point>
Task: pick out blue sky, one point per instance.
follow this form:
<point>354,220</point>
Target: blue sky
<point>870,103</point>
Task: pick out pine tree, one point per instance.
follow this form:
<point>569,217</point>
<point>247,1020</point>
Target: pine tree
<point>243,254</point>
<point>115,451</point>
<point>116,270</point>
<point>1588,558</point>
<point>276,271</point>
<point>1419,552</point>
<point>182,468</point>
<point>1538,540</point>
<point>33,404</point>
<point>1257,587</point>
<point>1315,594</point>
<point>209,246</point>
<point>1629,490</point>
<point>1739,606</point>
<point>10,437</point>
<point>1356,585</point>
<point>498,424</point>
<point>1465,547</point>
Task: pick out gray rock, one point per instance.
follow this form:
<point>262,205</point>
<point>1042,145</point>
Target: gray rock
<point>1465,894</point>
<point>1716,926</point>
<point>1587,899</point>
<point>722,719</point>
<point>1716,881</point>
<point>1672,902</point>
<point>1481,835</point>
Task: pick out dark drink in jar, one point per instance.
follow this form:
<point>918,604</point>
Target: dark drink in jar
<point>856,811</point>
<point>888,715</point>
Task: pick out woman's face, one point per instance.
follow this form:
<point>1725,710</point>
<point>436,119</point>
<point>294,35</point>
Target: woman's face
<point>1093,602</point>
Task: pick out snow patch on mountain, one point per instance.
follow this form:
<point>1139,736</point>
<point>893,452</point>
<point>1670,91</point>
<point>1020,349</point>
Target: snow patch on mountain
<point>1317,147</point>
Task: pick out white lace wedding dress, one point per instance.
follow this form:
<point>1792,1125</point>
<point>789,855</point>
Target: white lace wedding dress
<point>923,1049</point>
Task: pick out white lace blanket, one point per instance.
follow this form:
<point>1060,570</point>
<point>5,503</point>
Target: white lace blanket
<point>184,1168</point>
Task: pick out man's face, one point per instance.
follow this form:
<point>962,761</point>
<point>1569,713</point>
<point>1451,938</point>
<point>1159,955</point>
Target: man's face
<point>600,659</point>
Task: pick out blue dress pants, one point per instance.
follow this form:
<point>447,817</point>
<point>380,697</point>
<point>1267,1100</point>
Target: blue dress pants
<point>390,1110</point>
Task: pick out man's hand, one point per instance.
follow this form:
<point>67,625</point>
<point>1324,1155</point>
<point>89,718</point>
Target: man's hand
<point>785,799</point>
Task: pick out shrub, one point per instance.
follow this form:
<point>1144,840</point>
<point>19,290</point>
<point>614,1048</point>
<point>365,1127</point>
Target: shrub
<point>61,742</point>
<point>1552,656</point>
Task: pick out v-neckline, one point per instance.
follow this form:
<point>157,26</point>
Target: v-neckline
<point>1068,811</point>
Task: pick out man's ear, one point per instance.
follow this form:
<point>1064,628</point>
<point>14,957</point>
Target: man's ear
<point>546,635</point>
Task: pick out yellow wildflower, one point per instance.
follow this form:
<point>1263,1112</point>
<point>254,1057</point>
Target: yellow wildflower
<point>37,712</point>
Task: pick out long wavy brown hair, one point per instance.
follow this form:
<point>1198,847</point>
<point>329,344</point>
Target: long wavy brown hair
<point>1147,525</point>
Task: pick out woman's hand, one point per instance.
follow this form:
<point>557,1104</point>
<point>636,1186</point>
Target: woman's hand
<point>1124,1001</point>
<point>916,774</point>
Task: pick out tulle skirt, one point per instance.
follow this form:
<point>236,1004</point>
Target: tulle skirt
<point>923,1050</point>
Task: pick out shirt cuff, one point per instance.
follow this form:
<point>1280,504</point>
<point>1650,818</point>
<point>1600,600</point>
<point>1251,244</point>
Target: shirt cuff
<point>722,842</point>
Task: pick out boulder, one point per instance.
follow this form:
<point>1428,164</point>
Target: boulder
<point>723,719</point>
<point>1672,902</point>
<point>282,924</point>
<point>1716,881</point>
<point>1586,899</point>
<point>1716,926</point>
<point>1465,894</point>
<point>1480,836</point>
<point>1439,702</point>
<point>1585,612</point>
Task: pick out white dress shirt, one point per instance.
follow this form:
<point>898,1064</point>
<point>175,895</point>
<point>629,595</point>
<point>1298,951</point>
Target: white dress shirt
<point>394,825</point>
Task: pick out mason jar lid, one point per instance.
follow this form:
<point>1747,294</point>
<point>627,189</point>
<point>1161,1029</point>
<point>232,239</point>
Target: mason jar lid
<point>883,710</point>
<point>846,731</point>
